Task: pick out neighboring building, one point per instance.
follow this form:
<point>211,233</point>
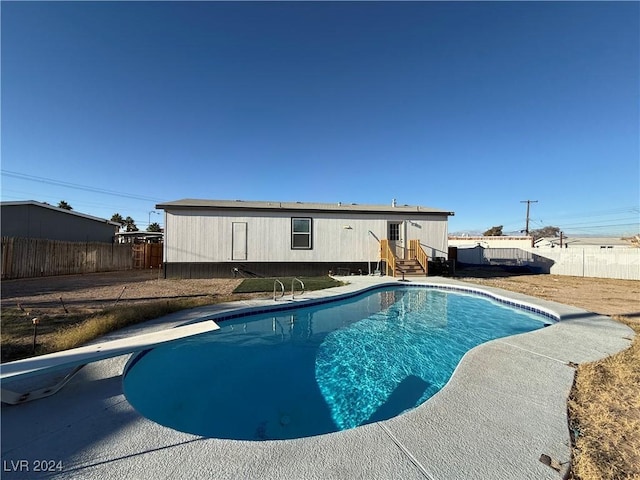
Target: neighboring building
<point>139,237</point>
<point>584,242</point>
<point>31,219</point>
<point>504,241</point>
<point>220,238</point>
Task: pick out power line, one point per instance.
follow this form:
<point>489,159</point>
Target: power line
<point>51,181</point>
<point>594,216</point>
<point>602,223</point>
<point>631,227</point>
<point>588,226</point>
<point>55,198</point>
<point>599,213</point>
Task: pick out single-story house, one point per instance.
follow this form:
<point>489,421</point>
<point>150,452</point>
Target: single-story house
<point>31,219</point>
<point>222,238</point>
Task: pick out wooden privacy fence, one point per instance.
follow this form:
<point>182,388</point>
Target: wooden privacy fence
<point>36,257</point>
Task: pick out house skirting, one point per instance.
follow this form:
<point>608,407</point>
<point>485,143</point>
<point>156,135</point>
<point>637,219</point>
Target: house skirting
<point>264,269</point>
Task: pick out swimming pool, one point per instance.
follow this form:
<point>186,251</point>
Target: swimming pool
<point>319,369</point>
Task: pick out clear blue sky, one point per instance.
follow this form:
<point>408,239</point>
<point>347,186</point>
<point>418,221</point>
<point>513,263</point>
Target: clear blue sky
<point>469,107</point>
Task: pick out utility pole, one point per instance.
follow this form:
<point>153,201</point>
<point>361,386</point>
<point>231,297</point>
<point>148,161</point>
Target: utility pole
<point>528,202</point>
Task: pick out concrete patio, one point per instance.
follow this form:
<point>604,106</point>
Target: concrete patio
<point>504,407</point>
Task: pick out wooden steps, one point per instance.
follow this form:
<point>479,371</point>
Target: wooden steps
<point>410,268</point>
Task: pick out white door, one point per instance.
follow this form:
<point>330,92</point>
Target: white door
<point>239,241</point>
<point>395,234</point>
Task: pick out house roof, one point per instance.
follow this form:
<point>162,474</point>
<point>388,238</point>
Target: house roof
<point>190,203</point>
<point>57,209</point>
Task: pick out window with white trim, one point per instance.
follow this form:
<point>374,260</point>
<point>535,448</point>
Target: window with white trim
<point>394,232</point>
<point>301,233</point>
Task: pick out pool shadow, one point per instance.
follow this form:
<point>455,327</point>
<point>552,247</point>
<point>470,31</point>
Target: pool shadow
<point>404,397</point>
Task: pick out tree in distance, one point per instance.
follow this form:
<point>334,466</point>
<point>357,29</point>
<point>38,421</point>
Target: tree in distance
<point>494,232</point>
<point>545,232</point>
<point>154,227</point>
<point>65,205</point>
<point>130,225</point>
<point>127,223</point>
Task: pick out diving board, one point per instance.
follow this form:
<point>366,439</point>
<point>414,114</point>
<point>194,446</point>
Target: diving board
<point>77,358</point>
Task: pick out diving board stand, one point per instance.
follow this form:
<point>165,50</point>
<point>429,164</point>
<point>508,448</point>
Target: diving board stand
<point>77,358</point>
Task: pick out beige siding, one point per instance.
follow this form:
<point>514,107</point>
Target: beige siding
<point>200,236</point>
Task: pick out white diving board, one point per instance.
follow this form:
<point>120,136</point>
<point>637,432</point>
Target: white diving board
<point>77,358</point>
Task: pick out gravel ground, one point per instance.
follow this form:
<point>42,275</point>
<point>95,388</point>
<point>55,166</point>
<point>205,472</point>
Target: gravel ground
<point>95,291</point>
<point>605,296</point>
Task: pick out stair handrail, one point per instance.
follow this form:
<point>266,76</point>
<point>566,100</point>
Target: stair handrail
<point>388,256</point>
<point>420,255</point>
<point>276,282</point>
<point>293,282</point>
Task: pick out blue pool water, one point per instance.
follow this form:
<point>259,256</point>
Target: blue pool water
<point>318,369</point>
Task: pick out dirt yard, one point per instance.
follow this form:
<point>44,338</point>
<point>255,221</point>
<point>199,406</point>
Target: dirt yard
<point>600,295</point>
<point>96,291</point>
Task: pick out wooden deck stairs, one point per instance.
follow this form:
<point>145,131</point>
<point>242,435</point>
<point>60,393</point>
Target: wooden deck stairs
<point>410,268</point>
<point>415,265</point>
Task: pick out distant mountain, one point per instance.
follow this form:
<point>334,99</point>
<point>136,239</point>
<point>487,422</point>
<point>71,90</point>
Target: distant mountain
<point>465,233</point>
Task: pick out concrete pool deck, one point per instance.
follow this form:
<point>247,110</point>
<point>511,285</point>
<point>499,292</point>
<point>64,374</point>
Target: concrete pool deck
<point>503,408</point>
